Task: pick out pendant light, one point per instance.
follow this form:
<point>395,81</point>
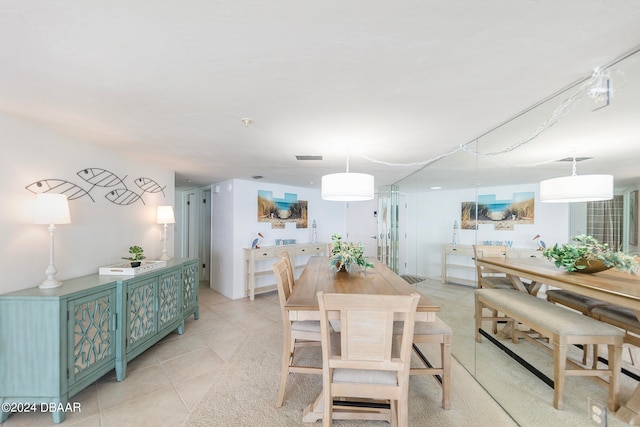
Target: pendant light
<point>576,188</point>
<point>347,187</point>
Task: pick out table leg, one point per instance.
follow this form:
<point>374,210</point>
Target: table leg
<point>517,283</point>
<point>630,411</point>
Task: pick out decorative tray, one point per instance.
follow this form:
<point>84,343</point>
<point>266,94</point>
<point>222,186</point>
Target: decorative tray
<point>125,269</point>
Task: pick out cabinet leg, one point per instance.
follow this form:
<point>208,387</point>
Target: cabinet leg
<point>4,414</point>
<point>59,413</point>
<point>196,315</point>
<point>181,328</point>
<point>121,371</point>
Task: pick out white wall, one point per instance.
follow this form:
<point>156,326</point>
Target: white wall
<point>234,223</point>
<point>100,233</point>
<point>431,216</point>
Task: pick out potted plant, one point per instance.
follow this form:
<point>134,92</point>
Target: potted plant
<point>589,256</point>
<point>137,256</point>
<point>345,254</point>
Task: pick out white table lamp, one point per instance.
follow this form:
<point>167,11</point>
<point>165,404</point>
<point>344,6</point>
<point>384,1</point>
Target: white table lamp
<point>165,216</point>
<point>51,209</point>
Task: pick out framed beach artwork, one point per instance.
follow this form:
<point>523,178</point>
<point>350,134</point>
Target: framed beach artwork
<point>633,218</point>
<point>279,211</point>
<point>503,214</point>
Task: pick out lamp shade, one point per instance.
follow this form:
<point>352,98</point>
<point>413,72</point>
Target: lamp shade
<point>52,209</point>
<point>347,187</point>
<point>165,215</point>
<point>577,188</point>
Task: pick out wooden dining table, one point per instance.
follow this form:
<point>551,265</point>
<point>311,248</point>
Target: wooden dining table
<point>318,276</point>
<point>611,286</point>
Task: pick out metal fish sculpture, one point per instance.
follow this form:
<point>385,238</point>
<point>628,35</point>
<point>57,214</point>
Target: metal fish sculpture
<point>59,186</point>
<point>123,197</point>
<point>101,177</point>
<point>149,186</point>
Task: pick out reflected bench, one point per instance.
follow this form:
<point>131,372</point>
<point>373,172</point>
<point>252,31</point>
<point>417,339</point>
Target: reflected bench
<point>563,328</point>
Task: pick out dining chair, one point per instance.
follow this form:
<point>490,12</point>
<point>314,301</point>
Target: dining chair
<point>296,334</point>
<point>434,332</point>
<point>364,361</point>
<point>292,282</point>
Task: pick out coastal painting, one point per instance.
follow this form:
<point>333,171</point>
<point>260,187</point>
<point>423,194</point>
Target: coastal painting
<point>279,211</point>
<point>502,214</point>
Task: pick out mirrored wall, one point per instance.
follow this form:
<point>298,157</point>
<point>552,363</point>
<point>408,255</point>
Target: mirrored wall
<point>504,167</point>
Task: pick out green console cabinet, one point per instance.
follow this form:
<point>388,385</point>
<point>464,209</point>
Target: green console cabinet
<point>56,342</point>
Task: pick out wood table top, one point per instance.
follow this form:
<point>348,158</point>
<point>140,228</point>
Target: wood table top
<point>610,285</point>
<point>317,276</point>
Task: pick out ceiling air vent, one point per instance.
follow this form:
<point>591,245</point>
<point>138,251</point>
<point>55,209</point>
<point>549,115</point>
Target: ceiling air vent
<point>578,159</point>
<point>309,157</point>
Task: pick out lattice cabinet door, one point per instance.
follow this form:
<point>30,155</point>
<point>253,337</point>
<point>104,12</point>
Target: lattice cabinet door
<point>169,298</point>
<point>91,334</point>
<point>141,307</point>
<point>190,289</point>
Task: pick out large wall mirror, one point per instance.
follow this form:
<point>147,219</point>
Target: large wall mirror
<point>504,168</point>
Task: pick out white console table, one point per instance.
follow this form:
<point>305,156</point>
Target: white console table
<point>253,256</point>
<point>460,258</point>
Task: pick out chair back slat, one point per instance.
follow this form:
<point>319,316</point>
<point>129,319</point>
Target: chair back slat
<point>287,258</point>
<point>282,282</point>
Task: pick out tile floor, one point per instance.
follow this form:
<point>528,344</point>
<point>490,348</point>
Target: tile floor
<point>164,384</point>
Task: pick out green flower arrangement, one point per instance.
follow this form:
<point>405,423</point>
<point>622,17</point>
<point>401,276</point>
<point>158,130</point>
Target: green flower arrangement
<point>345,254</point>
<point>586,250</point>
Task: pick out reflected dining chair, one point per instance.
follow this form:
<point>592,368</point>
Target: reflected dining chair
<point>299,333</point>
<point>486,277</point>
<point>365,361</point>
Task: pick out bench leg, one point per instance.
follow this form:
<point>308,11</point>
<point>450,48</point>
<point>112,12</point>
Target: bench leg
<point>479,306</point>
<point>445,350</point>
<point>615,365</point>
<point>559,366</point>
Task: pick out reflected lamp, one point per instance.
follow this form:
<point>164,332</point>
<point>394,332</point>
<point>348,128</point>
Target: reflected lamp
<point>576,188</point>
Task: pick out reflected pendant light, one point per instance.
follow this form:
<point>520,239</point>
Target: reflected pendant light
<point>576,188</point>
<point>347,187</point>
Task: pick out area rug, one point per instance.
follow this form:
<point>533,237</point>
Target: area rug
<point>412,279</point>
<point>244,393</point>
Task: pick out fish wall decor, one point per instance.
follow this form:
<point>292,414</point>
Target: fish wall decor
<point>99,178</point>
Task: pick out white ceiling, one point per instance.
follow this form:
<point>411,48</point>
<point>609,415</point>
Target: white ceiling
<point>397,82</point>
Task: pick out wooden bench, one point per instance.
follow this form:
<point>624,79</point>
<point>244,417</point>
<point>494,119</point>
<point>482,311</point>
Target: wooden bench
<point>563,328</point>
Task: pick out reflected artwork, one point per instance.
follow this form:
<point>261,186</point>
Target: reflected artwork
<point>502,214</point>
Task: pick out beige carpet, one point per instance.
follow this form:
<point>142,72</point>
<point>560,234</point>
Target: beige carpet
<point>244,394</point>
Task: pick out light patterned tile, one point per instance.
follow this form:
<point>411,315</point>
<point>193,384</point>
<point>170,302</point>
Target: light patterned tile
<point>193,389</point>
<point>160,408</point>
<point>137,383</point>
<point>192,364</point>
